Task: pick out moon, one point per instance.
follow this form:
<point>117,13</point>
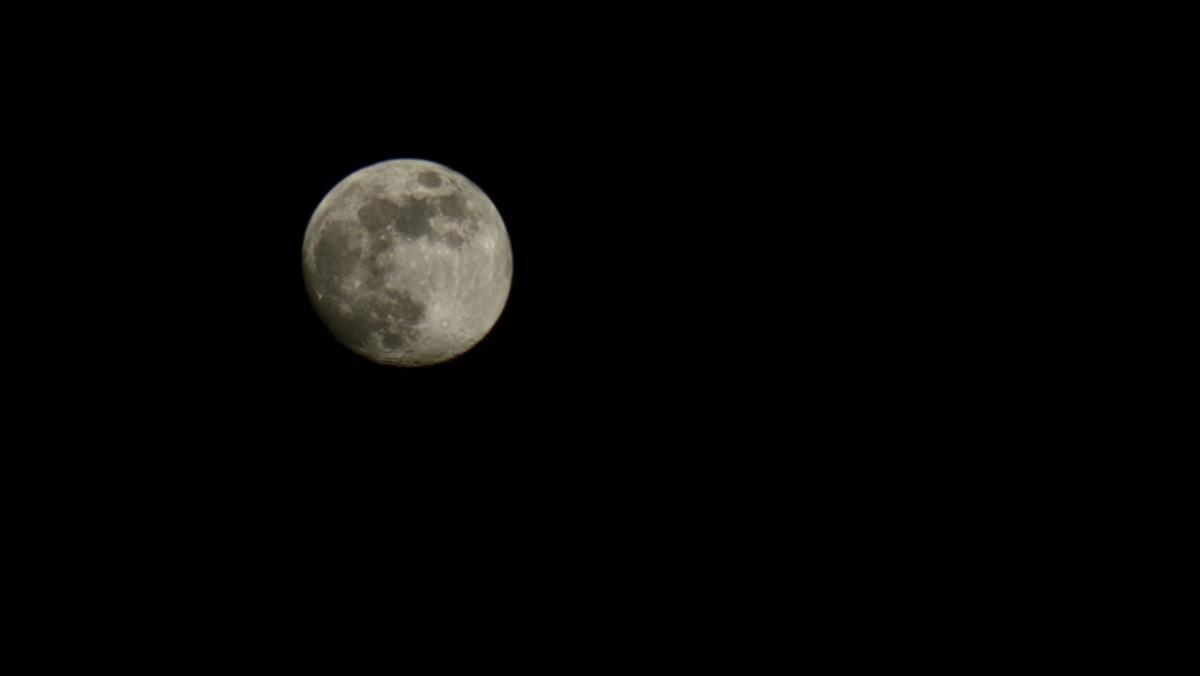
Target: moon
<point>407,263</point>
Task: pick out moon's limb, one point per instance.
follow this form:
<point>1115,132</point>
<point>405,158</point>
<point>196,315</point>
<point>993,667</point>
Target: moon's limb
<point>407,262</point>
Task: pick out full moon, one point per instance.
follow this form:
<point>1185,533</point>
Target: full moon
<point>407,263</point>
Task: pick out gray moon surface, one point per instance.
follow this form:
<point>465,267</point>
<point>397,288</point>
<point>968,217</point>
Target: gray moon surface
<point>407,263</point>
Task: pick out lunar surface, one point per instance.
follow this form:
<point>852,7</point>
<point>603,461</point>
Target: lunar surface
<point>407,263</point>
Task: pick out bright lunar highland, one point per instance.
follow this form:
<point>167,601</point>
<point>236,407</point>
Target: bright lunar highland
<point>407,263</point>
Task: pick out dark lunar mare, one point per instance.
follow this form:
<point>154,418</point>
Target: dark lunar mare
<point>336,257</point>
<point>401,307</point>
<point>409,218</point>
<point>452,206</point>
<point>372,312</point>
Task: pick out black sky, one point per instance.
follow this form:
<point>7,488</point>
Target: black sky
<point>687,225</point>
<point>729,246</point>
<point>772,327</point>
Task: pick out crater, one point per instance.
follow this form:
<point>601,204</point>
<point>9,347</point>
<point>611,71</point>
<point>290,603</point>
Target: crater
<point>429,179</point>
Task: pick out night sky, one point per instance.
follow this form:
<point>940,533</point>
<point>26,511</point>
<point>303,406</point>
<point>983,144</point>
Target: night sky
<point>742,288</point>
